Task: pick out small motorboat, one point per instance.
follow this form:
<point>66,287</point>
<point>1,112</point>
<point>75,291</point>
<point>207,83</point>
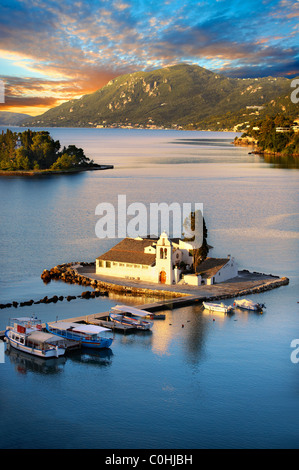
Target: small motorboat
<point>90,336</point>
<point>131,316</point>
<point>248,305</point>
<point>25,334</point>
<point>217,307</point>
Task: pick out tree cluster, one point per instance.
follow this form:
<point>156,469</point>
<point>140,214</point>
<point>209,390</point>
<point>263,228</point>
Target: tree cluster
<point>30,150</point>
<point>196,234</point>
<point>270,140</point>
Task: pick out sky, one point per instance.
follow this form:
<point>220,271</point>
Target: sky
<point>53,51</point>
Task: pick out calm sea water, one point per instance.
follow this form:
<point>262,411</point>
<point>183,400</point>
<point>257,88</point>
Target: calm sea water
<point>197,380</point>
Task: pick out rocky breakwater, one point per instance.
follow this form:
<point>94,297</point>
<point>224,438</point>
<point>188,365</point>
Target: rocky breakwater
<point>69,273</point>
<point>65,273</point>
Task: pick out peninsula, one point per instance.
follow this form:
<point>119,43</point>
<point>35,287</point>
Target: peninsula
<point>276,135</point>
<point>32,153</point>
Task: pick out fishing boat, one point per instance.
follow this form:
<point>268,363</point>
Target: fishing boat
<point>248,305</point>
<point>217,307</point>
<point>131,316</point>
<point>90,336</point>
<point>25,334</point>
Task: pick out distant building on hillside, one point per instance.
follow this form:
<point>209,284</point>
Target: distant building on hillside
<point>18,143</point>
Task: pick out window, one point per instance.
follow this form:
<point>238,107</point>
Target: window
<point>108,264</point>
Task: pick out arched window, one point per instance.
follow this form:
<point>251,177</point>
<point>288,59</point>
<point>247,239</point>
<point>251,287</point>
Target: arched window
<point>165,253</point>
<point>161,253</point>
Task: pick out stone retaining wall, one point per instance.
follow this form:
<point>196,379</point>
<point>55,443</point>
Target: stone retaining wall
<point>68,273</point>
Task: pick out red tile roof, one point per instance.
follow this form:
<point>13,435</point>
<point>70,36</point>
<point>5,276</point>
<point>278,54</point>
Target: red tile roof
<point>131,250</point>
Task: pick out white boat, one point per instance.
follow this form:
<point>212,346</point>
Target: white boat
<point>248,304</point>
<point>217,307</point>
<point>24,334</point>
<point>131,316</point>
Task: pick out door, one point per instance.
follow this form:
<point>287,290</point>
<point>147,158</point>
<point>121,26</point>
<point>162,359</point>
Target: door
<point>162,277</point>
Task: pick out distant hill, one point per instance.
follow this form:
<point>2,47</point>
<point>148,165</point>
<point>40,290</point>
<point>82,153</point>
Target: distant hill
<point>12,119</point>
<point>183,95</point>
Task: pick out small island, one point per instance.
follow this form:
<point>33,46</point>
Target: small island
<point>276,135</point>
<point>36,153</point>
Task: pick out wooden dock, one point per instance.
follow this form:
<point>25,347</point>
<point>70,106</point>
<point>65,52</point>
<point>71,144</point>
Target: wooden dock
<point>99,319</point>
<point>245,284</point>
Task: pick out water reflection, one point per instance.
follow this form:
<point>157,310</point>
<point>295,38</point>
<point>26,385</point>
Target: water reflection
<point>134,338</point>
<point>186,328</point>
<point>206,142</point>
<point>102,358</point>
<point>281,162</point>
<point>24,362</point>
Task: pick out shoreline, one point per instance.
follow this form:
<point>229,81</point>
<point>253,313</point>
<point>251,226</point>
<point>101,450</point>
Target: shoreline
<point>84,274</point>
<point>53,172</point>
<point>245,142</point>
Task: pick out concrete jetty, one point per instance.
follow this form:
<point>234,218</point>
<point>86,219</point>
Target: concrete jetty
<point>174,296</point>
<point>84,274</point>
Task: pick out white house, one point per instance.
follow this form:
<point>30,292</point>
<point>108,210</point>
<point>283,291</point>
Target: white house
<point>18,144</point>
<point>162,260</point>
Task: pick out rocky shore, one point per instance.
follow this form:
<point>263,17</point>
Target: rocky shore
<point>253,144</point>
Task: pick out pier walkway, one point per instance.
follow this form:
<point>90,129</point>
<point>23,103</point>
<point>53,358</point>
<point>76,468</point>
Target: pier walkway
<point>245,283</point>
<point>172,296</point>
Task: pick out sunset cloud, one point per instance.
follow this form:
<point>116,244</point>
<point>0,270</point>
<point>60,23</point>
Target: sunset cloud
<point>54,51</point>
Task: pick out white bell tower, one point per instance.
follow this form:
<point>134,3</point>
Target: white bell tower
<point>164,260</point>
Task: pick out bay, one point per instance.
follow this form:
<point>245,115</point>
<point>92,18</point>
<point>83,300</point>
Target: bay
<point>228,383</point>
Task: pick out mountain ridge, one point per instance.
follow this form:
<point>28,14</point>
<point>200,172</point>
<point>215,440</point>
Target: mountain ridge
<point>179,96</point>
<point>8,118</point>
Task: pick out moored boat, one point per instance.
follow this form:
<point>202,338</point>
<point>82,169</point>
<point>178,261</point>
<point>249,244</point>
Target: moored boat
<point>25,334</point>
<point>248,305</point>
<point>131,316</point>
<point>217,307</point>
<point>90,336</point>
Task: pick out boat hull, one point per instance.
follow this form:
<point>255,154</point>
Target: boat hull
<point>44,353</point>
<point>102,343</point>
<point>245,306</point>
<point>138,324</point>
<point>216,308</point>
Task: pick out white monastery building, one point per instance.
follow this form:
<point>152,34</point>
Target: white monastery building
<point>162,260</point>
